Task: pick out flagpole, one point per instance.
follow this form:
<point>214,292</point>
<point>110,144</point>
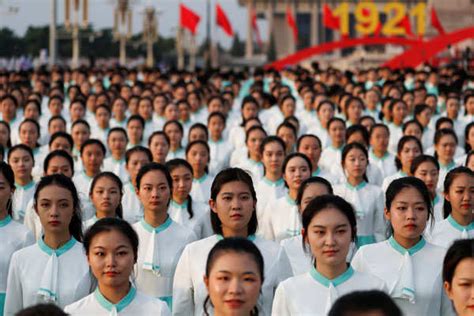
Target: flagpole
<point>208,31</point>
<point>179,44</point>
<point>249,40</point>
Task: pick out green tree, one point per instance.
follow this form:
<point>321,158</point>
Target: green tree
<point>10,44</point>
<point>238,47</point>
<point>36,38</point>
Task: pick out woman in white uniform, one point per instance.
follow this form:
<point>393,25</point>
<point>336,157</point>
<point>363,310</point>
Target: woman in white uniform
<point>159,145</point>
<point>378,153</point>
<point>458,206</point>
<point>445,143</point>
<point>253,159</point>
<point>106,195</point>
<point>117,144</point>
<point>161,239</point>
<point>220,148</point>
<point>111,246</point>
<point>183,210</point>
<point>329,227</point>
<point>14,235</point>
<point>197,154</point>
<point>175,132</point>
<point>233,201</point>
<point>365,197</point>
<point>234,277</point>
<point>281,218</point>
<point>20,158</point>
<point>310,145</point>
<point>332,154</point>
<point>300,259</point>
<point>426,168</point>
<point>54,269</point>
<point>410,266</point>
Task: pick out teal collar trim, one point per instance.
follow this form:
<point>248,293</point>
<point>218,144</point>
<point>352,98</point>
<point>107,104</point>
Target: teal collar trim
<point>63,249</point>
<point>273,183</point>
<point>124,302</point>
<point>395,245</point>
<point>201,179</point>
<point>336,148</point>
<point>86,176</point>
<point>458,226</point>
<point>318,277</point>
<point>449,166</point>
<point>436,200</point>
<point>158,229</point>
<point>177,205</point>
<point>26,186</point>
<point>219,141</point>
<point>402,174</point>
<point>357,187</point>
<point>250,237</point>
<point>121,160</point>
<point>316,172</point>
<point>385,156</point>
<point>290,200</point>
<point>5,221</point>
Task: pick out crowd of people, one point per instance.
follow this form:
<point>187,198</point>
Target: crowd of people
<point>293,192</point>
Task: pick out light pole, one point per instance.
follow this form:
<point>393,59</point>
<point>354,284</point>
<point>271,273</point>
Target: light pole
<point>76,25</point>
<point>122,27</point>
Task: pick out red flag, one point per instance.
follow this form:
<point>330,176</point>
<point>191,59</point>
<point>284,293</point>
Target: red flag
<point>223,21</point>
<point>188,19</point>
<point>330,21</point>
<point>290,19</point>
<point>253,17</point>
<point>405,23</point>
<point>435,22</point>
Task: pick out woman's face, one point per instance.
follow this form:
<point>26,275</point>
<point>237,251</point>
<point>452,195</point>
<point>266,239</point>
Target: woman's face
<point>145,109</point>
<point>355,163</point>
<point>413,130</point>
<point>31,112</point>
<point>446,148</point>
<point>337,132</point>
<point>119,108</point>
<point>102,117</point>
<point>182,182</point>
<point>59,165</point>
<point>354,111</point>
<point>461,194</point>
<point>452,108</point>
<point>234,284</point>
<point>77,111</point>
<point>234,205</point>
<point>461,289</point>
<point>379,139</point>
<point>254,141</point>
<point>288,107</point>
<point>4,135</point>
<point>288,136</point>
<point>408,214</point>
<point>135,131</point>
<point>325,113</point>
<point>429,174</point>
<point>470,163</point>
<point>312,191</point>
<point>60,143</point>
<point>21,163</point>
<point>154,191</point>
<point>399,112</point>
<point>106,195</point>
<point>198,157</point>
<point>410,151</point>
<point>329,237</point>
<point>174,134</point>
<point>111,258</point>
<point>296,171</point>
<point>273,155</point>
<point>135,162</point>
<point>159,148</point>
<point>29,134</point>
<point>309,146</point>
<point>171,112</point>
<point>80,133</point>
<point>6,192</point>
<point>92,158</point>
<point>216,127</point>
<point>117,142</point>
<point>55,208</point>
<point>250,110</point>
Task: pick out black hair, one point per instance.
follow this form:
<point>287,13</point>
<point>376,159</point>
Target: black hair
<point>112,176</point>
<point>378,125</point>
<point>153,166</point>
<point>64,135</point>
<point>272,139</point>
<point>216,114</point>
<point>138,149</point>
<point>357,128</point>
<point>300,139</point>
<point>199,126</point>
<point>9,176</point>
<point>109,224</point>
<point>440,133</point>
<point>468,157</point>
<point>405,139</point>
<point>459,250</point>
<point>290,126</point>
<point>35,103</point>
<point>80,121</point>
<point>336,119</point>
<point>21,147</point>
<point>117,129</point>
<point>172,165</point>
<point>290,157</point>
<point>75,226</point>
<point>347,148</point>
<point>410,122</point>
<point>138,118</point>
<point>10,97</point>
<point>223,177</point>
<point>421,159</point>
<point>42,309</point>
<point>234,245</point>
<point>158,133</point>
<point>54,118</point>
<point>443,120</point>
<point>9,141</point>
<point>180,126</point>
<point>306,183</point>
<point>360,302</point>
<point>92,141</point>
<point>58,153</point>
<point>254,128</point>
<point>448,181</point>
<point>35,123</point>
<point>323,102</point>
<point>203,143</point>
<point>419,108</point>
<point>467,146</point>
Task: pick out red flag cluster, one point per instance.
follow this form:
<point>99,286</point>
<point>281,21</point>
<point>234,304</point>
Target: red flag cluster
<point>189,19</point>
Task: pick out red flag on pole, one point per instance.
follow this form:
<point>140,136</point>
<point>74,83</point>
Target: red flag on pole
<point>330,21</point>
<point>406,24</point>
<point>223,21</point>
<point>253,18</point>
<point>188,19</point>
<point>435,22</point>
<point>290,19</point>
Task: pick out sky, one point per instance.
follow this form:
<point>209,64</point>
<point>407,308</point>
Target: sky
<point>37,13</point>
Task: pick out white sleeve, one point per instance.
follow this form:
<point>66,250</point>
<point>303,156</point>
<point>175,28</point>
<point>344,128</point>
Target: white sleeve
<point>358,261</point>
<point>265,227</point>
<point>280,306</point>
<point>29,220</point>
<point>14,295</point>
<point>284,266</point>
<point>29,240</point>
<point>165,311</point>
<point>183,298</point>
<point>379,221</point>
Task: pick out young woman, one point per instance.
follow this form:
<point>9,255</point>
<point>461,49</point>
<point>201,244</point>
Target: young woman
<point>29,135</point>
<point>426,168</point>
<point>174,131</point>
<point>14,235</point>
<point>458,206</point>
<point>161,239</point>
<point>469,162</point>
<point>117,144</point>
<point>106,196</point>
<point>135,158</point>
<point>234,277</point>
<point>468,143</point>
<point>373,302</point>
<point>5,137</point>
<point>353,110</point>
<point>253,161</point>
<point>309,189</point>
<point>378,153</point>
<point>458,277</point>
<point>198,132</point>
<point>135,127</point>
<point>445,143</point>
<point>101,128</point>
<point>409,147</point>
<point>408,264</point>
<point>281,218</point>
<point>183,210</point>
<point>249,110</point>
<point>80,132</point>
<point>220,149</point>
<point>197,154</point>
<point>55,268</point>
<point>111,246</point>
<point>20,158</point>
<point>289,134</point>
<point>366,198</point>
<point>159,145</point>
<point>119,113</point>
<point>329,227</point>
<point>398,112</point>
<point>337,133</point>
<point>232,202</point>
<point>325,112</point>
<point>272,185</point>
<point>310,146</point>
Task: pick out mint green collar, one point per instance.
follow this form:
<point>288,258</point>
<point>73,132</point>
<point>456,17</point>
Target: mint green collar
<point>290,200</point>
<point>458,226</point>
<point>124,302</point>
<point>357,187</point>
<point>273,183</point>
<point>220,140</point>
<point>436,200</point>
<point>121,160</point>
<point>5,221</point>
<point>158,229</point>
<point>26,186</point>
<point>87,177</point>
<point>177,205</point>
<point>402,250</point>
<point>385,156</point>
<point>63,249</point>
<point>318,277</point>
<point>250,237</point>
<point>316,172</point>
<point>449,166</point>
<point>201,179</point>
<point>337,148</point>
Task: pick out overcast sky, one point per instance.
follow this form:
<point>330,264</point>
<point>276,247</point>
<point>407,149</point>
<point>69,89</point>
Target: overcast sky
<point>37,12</point>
